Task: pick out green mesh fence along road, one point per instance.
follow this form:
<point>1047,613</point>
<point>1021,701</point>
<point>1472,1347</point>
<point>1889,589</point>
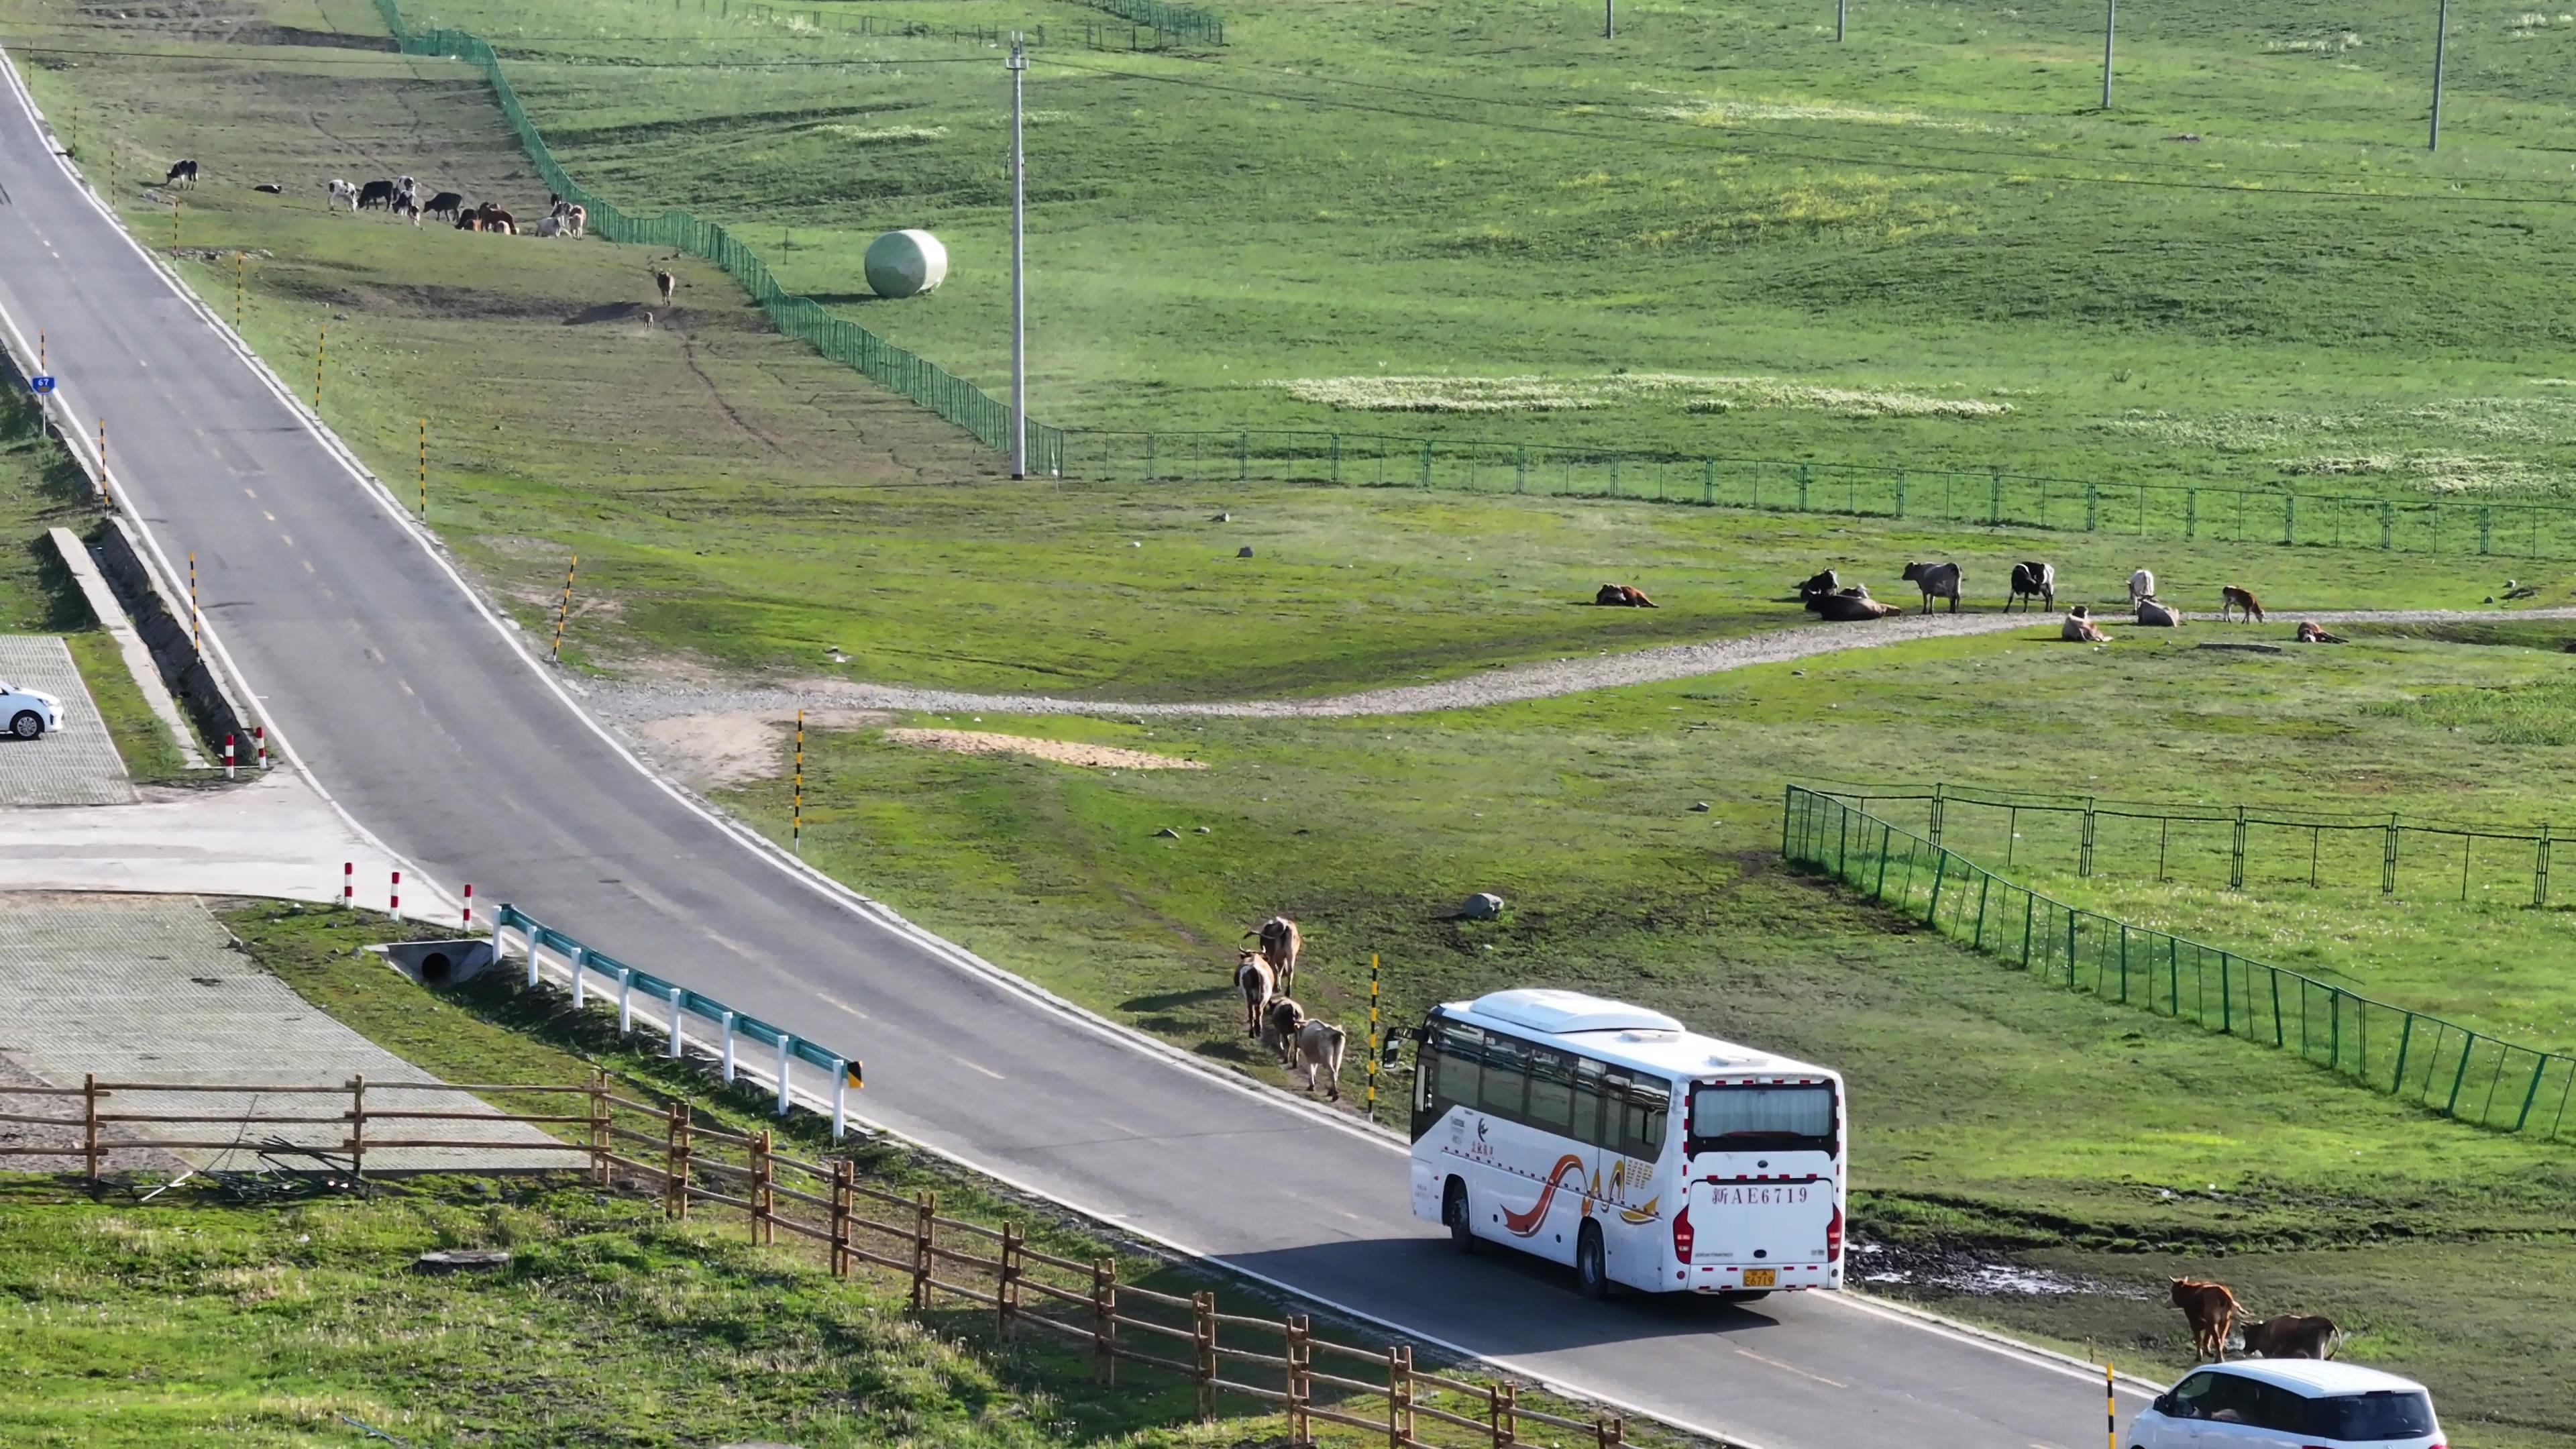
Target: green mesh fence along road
<point>1173,22</point>
<point>2169,510</point>
<point>901,369</point>
<point>2423,1059</point>
<point>2212,844</point>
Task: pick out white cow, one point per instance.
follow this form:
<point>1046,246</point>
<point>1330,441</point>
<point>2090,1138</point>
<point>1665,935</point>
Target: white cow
<point>343,191</point>
<point>1316,1053</point>
<point>548,226</point>
<point>2142,585</point>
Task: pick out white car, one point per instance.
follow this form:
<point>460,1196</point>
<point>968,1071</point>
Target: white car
<point>30,712</point>
<point>2288,1401</point>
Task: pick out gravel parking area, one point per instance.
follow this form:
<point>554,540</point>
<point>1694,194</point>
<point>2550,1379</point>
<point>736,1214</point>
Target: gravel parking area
<point>75,765</point>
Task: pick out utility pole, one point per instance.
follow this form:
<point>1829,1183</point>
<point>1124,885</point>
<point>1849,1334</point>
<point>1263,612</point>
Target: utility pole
<point>2441,44</point>
<point>1840,6</point>
<point>1019,64</point>
<point>1608,27</point>
<point>2110,27</point>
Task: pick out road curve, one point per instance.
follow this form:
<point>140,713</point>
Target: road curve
<point>423,717</point>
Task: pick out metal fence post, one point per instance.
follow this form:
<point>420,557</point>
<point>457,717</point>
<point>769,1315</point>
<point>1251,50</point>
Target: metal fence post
<point>2236,860</point>
<point>2191,513</point>
<point>2540,868</point>
<point>1805,476</point>
<point>1900,493</point>
<point>625,999</point>
<point>2387,523</point>
<point>2084,864</point>
<point>1426,462</point>
<point>1242,457</point>
<point>1995,497</point>
<point>2092,507</point>
<point>1940,873</point>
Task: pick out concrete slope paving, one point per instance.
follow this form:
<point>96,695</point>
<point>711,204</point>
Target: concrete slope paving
<point>382,676</point>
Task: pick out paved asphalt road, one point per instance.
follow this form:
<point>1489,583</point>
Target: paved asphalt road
<point>418,714</point>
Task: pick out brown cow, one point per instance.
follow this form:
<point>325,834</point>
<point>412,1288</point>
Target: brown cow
<point>1281,1020</point>
<point>1851,606</point>
<point>2292,1335</point>
<point>1623,596</point>
<point>1280,944</point>
<point>2211,1310</point>
<point>2079,628</point>
<point>666,282</point>
<point>493,218</point>
<point>2232,598</point>
<point>1252,978</point>
<point>2309,633</point>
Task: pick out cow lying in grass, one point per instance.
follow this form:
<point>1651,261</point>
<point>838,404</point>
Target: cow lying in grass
<point>2309,633</point>
<point>1623,596</point>
<point>2080,628</point>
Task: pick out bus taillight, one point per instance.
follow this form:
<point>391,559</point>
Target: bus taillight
<point>1834,1237</point>
<point>1682,1235</point>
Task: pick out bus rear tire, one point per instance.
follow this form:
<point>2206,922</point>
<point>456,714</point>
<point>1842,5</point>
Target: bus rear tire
<point>1454,1212</point>
<point>1591,1264</point>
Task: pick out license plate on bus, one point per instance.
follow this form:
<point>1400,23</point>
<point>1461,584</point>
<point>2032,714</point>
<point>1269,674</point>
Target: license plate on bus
<point>1761,1277</point>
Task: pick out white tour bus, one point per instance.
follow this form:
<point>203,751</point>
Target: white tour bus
<point>1608,1137</point>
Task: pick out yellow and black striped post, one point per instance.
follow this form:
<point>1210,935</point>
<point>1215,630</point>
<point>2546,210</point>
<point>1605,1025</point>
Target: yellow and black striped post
<point>796,806</point>
<point>564,610</point>
<point>1373,1049</point>
<point>321,345</point>
<point>424,468</point>
<point>196,629</point>
<point>40,349</point>
<point>174,225</point>
<point>106,494</point>
<point>237,293</point>
<point>2110,1411</point>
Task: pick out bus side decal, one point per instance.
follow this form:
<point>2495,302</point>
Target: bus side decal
<point>1524,1224</point>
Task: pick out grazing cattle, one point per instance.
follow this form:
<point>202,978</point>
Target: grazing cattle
<point>376,193</point>
<point>1622,596</point>
<point>2292,1335</point>
<point>495,219</point>
<point>1252,978</point>
<point>2079,628</point>
<point>2232,598</point>
<point>1818,587</point>
<point>1852,606</point>
<point>1316,1052</point>
<point>2142,585</point>
<point>2159,615</point>
<point>548,226</point>
<point>181,170</point>
<point>2033,581</point>
<point>1280,944</point>
<point>1937,581</point>
<point>445,203</point>
<point>271,187</point>
<point>2309,633</point>
<point>666,282</point>
<point>576,220</point>
<point>2211,1310</point>
<point>341,191</point>
<point>1280,1022</point>
<point>469,222</point>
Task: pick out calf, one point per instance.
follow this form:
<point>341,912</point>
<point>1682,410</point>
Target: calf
<point>470,221</point>
<point>2033,581</point>
<point>375,193</point>
<point>2292,1335</point>
<point>409,208</point>
<point>2142,585</point>
<point>181,170</point>
<point>341,191</point>
<point>1252,978</point>
<point>1317,1052</point>
<point>1937,581</point>
<point>1622,596</point>
<point>2310,633</point>
<point>2232,598</point>
<point>2211,1310</point>
<point>577,220</point>
<point>445,203</point>
<point>1281,1020</point>
<point>2079,628</point>
<point>1280,944</point>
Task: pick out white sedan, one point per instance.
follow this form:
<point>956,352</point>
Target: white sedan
<point>2289,1402</point>
<point>30,712</point>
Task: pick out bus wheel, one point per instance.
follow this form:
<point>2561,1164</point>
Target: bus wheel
<point>1453,1211</point>
<point>1591,1265</point>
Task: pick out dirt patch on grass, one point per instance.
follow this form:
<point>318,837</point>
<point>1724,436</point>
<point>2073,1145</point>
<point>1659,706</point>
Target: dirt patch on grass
<point>720,750</point>
<point>1063,752</point>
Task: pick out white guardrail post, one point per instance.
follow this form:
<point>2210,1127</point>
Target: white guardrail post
<point>840,1097</point>
<point>530,932</point>
<point>674,1053</point>
<point>497,918</point>
<point>625,999</point>
<point>728,1048</point>
<point>783,1040</point>
<point>580,955</point>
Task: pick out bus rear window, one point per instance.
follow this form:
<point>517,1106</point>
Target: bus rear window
<point>1742,1117</point>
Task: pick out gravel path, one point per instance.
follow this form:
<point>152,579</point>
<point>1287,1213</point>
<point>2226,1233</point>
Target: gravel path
<point>636,704</point>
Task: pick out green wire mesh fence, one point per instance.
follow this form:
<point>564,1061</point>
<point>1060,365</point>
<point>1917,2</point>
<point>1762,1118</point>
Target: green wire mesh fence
<point>897,368</point>
<point>2422,1059</point>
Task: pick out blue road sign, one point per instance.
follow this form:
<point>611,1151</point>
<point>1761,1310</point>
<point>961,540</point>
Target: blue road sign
<point>40,383</point>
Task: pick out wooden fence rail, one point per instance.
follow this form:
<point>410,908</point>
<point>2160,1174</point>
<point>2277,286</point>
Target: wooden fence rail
<point>941,1258</point>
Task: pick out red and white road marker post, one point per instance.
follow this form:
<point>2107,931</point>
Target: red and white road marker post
<point>469,913</point>
<point>393,898</point>
<point>260,733</point>
<point>228,757</point>
<point>348,884</point>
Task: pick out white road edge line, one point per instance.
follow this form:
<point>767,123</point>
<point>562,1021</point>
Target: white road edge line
<point>831,890</point>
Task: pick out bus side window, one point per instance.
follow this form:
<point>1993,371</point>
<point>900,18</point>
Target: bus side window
<point>1588,1115</point>
<point>1551,1090</point>
<point>1461,1047</point>
<point>1505,1087</point>
<point>1642,1108</point>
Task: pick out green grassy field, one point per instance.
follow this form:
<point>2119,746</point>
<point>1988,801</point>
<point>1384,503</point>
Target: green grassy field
<point>1720,233</point>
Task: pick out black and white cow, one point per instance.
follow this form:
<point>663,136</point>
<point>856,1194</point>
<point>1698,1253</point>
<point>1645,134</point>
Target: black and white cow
<point>2033,580</point>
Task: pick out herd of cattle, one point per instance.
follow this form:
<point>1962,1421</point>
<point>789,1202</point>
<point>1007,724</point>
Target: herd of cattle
<point>2211,1310</point>
<point>1267,976</point>
<point>401,196</point>
<point>2034,584</point>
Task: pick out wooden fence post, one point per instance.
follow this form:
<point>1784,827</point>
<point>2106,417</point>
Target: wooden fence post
<point>678,1184</point>
<point>599,1143</point>
<point>1399,1396</point>
<point>842,1262</point>
<point>1610,1433</point>
<point>1006,1284</point>
<point>925,1228</point>
<point>1104,1317</point>
<point>358,1125</point>
<point>1504,1402</point>
<point>1203,1351</point>
<point>89,1124</point>
<point>763,1172</point>
<point>1300,1388</point>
